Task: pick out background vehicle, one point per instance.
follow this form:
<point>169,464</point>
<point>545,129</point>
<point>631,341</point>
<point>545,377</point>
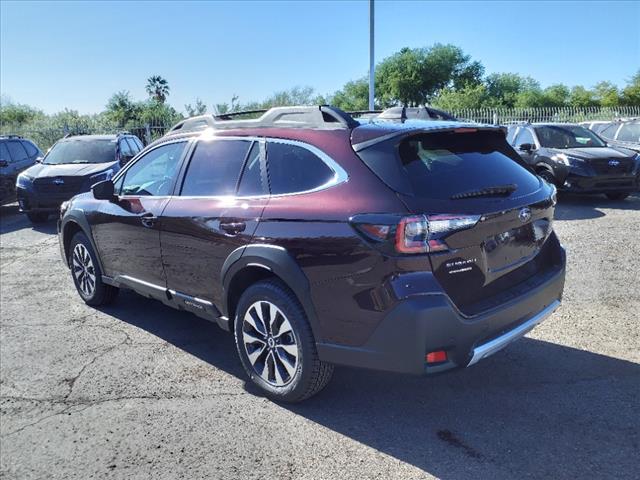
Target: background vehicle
<point>16,154</point>
<point>71,166</point>
<point>575,159</point>
<point>411,247</point>
<point>623,133</point>
<point>596,126</point>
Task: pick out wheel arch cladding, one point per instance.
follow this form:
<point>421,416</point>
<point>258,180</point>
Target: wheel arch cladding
<point>253,263</point>
<point>72,225</point>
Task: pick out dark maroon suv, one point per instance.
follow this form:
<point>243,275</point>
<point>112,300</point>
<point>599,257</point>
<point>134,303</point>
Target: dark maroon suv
<point>410,246</point>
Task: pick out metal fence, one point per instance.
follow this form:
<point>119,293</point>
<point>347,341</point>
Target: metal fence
<point>501,116</point>
<point>46,133</point>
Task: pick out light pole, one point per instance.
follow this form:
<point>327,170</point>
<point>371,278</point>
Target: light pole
<point>372,65</point>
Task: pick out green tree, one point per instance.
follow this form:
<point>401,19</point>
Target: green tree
<point>16,113</point>
<point>607,94</point>
<point>510,90</point>
<point>157,88</point>
<point>631,92</point>
<point>198,108</point>
<point>470,96</point>
<point>582,97</point>
<point>556,96</point>
<point>121,109</point>
<point>353,96</point>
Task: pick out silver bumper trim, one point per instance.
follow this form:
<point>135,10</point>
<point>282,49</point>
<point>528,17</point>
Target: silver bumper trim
<point>497,344</point>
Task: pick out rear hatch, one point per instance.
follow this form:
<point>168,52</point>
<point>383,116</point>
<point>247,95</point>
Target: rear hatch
<point>506,211</point>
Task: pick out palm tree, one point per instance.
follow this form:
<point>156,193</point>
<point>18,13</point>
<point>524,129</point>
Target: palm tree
<point>158,88</point>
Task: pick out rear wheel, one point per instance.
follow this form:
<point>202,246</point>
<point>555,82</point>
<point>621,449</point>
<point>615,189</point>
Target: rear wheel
<point>617,196</point>
<point>37,217</point>
<point>276,345</point>
<point>86,273</point>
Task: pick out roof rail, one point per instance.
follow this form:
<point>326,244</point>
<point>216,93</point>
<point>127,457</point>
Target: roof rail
<point>415,113</point>
<point>317,116</point>
<point>11,135</point>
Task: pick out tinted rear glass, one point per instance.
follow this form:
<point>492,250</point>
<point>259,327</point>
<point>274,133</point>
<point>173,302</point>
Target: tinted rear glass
<point>295,169</point>
<point>82,151</point>
<point>441,165</point>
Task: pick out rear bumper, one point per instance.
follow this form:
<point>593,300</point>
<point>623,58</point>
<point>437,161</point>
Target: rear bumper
<point>428,322</point>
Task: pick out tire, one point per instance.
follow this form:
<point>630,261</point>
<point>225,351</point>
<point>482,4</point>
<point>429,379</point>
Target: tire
<point>86,273</point>
<point>617,195</point>
<point>37,217</point>
<point>279,355</point>
<point>547,176</point>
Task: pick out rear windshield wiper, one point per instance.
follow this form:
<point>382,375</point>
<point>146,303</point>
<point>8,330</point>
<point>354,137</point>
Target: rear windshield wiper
<point>497,191</point>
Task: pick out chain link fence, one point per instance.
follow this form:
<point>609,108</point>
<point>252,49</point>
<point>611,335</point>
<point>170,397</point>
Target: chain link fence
<point>47,133</point>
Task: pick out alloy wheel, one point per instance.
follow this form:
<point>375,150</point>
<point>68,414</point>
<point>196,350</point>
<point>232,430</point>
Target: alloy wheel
<point>83,270</point>
<point>270,343</point>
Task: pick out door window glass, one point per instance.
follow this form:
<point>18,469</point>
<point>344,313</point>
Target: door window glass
<point>31,149</point>
<point>17,151</point>
<point>630,132</point>
<point>215,167</point>
<point>524,136</point>
<point>295,169</point>
<point>251,181</point>
<point>610,131</point>
<point>154,173</point>
<point>4,153</point>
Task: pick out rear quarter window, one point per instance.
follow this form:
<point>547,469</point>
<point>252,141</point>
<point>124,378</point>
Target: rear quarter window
<point>294,169</point>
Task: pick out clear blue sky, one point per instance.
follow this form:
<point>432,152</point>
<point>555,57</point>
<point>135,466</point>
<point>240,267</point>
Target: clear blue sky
<point>76,54</point>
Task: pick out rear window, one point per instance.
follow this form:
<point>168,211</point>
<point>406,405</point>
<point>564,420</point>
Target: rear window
<point>294,169</point>
<point>630,132</point>
<point>441,165</point>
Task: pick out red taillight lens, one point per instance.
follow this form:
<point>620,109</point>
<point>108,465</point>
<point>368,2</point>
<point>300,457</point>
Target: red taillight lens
<point>423,233</point>
<point>436,357</point>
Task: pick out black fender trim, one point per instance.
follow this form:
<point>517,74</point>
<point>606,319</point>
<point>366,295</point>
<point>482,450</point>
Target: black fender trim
<point>280,262</point>
<point>79,218</point>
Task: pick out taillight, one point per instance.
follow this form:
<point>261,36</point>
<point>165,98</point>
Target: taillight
<point>412,234</point>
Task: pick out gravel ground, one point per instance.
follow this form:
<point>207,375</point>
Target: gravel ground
<point>138,390</point>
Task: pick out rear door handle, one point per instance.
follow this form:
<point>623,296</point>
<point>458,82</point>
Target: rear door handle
<point>148,220</point>
<point>233,228</point>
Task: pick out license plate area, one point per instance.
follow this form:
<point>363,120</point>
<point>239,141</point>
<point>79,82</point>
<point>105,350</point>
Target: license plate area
<point>515,246</point>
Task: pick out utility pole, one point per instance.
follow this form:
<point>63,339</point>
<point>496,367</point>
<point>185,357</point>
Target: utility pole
<point>372,65</point>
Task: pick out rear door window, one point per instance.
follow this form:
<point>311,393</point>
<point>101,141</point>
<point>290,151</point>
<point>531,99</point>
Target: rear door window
<point>31,149</point>
<point>17,151</point>
<point>251,181</point>
<point>629,132</point>
<point>215,167</point>
<point>294,169</point>
<point>4,153</point>
<point>610,131</point>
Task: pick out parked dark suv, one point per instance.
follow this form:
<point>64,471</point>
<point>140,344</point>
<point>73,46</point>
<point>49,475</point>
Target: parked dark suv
<point>16,155</point>
<point>70,167</point>
<point>410,247</point>
<point>576,159</point>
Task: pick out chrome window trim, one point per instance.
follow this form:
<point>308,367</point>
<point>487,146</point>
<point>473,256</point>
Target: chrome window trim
<point>339,174</point>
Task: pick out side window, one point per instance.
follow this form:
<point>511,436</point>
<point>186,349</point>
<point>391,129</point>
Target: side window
<point>137,141</point>
<point>511,133</point>
<point>125,149</point>
<point>610,131</point>
<point>524,136</point>
<point>17,151</point>
<point>215,167</point>
<point>630,132</point>
<point>251,181</point>
<point>4,153</point>
<point>295,169</point>
<point>133,146</point>
<point>31,149</point>
<point>154,173</point>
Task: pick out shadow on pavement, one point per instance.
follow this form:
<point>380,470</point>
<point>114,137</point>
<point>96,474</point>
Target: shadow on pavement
<point>12,220</point>
<point>537,408</point>
<point>583,207</point>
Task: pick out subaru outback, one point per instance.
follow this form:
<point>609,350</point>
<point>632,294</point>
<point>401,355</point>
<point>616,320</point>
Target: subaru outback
<point>317,240</point>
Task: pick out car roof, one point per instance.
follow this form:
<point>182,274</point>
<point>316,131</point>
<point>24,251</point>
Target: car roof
<point>89,138</point>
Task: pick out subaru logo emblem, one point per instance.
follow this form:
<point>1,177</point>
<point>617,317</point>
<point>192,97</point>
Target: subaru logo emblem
<point>58,181</point>
<point>525,215</point>
<point>614,163</point>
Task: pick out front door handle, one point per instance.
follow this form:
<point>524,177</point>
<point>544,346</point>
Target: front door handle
<point>233,228</point>
<point>148,220</point>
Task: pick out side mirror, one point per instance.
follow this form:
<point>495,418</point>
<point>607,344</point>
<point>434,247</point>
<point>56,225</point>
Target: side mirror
<point>526,147</point>
<point>103,190</point>
<point>4,163</point>
<point>39,159</point>
<point>124,159</point>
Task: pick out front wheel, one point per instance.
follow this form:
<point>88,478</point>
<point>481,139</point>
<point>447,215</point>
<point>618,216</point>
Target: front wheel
<point>276,345</point>
<point>86,273</point>
<point>617,196</point>
<point>547,176</point>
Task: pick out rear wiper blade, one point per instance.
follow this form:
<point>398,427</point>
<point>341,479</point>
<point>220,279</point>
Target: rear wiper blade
<point>497,191</point>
